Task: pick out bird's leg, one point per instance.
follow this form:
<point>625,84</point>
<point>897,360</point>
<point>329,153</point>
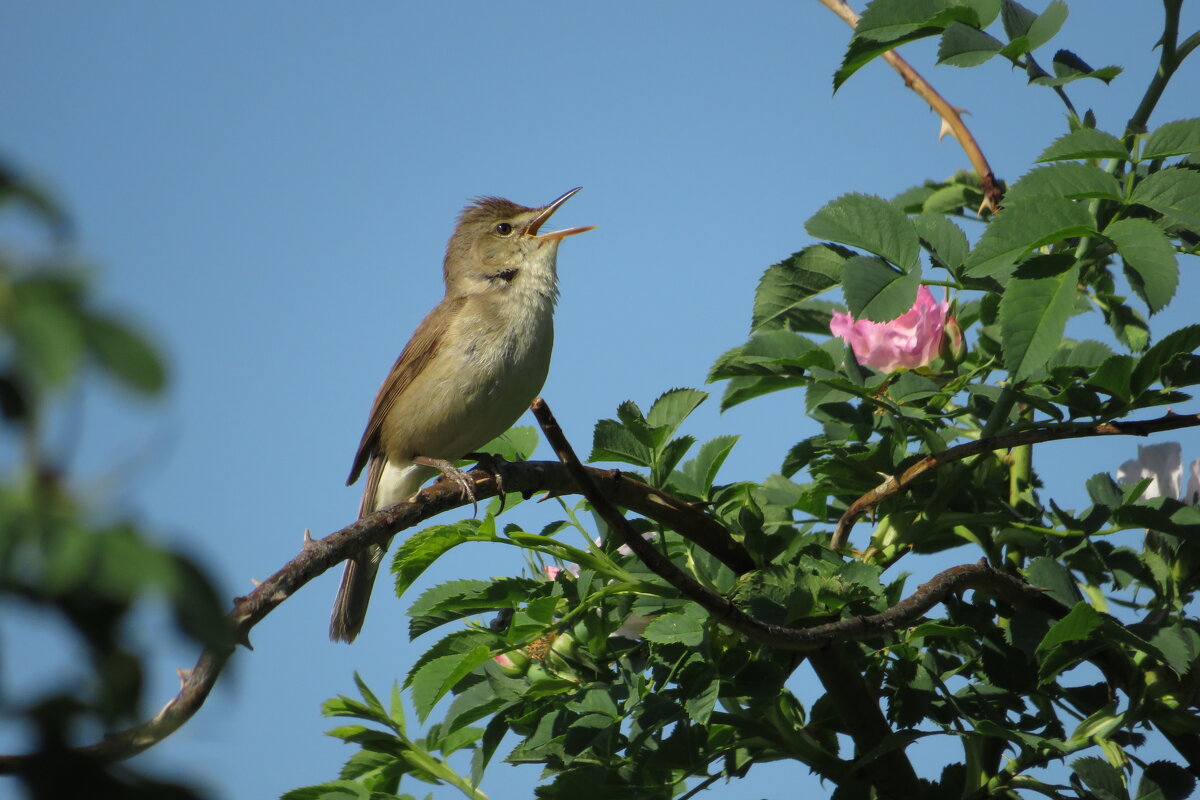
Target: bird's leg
<point>490,462</point>
<point>454,475</point>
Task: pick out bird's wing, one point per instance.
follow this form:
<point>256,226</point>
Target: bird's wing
<point>420,349</point>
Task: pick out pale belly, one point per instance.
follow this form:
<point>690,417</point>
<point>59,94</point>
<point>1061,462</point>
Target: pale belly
<point>480,388</point>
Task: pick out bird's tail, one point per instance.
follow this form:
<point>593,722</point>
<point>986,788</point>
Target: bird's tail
<point>354,595</point>
<point>387,483</point>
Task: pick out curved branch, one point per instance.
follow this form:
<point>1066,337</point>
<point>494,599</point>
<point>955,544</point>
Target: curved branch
<point>318,555</point>
<point>951,116</point>
<point>951,581</point>
<point>1080,430</point>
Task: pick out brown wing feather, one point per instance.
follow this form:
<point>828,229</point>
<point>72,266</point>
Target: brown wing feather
<point>416,354</point>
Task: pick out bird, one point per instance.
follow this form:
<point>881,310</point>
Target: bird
<point>469,371</point>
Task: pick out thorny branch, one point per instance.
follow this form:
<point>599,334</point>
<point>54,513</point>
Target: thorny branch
<point>318,555</point>
<point>950,115</point>
<point>929,463</point>
<point>951,581</point>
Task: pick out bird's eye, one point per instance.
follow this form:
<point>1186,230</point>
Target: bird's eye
<point>503,228</point>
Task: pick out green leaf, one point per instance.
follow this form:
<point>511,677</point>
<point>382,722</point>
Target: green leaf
<point>1069,179</point>
<point>1079,624</point>
<point>945,240</point>
<point>440,675</point>
<point>1163,780</point>
<point>1017,19</point>
<point>965,46</point>
<point>886,24</point>
<point>684,628</point>
<point>869,222</point>
<point>1023,227</point>
<point>786,285</point>
<point>1084,143</point>
<point>424,547</point>
<point>1177,138</point>
<point>49,336</point>
<point>1150,367</point>
<point>771,353</point>
<point>704,467</point>
<point>1113,377</point>
<point>334,790</point>
<point>889,20</point>
<point>1149,258</point>
<point>1033,316</point>
<point>125,354</point>
<point>1173,192</point>
<point>612,441</point>
<point>1047,24</point>
<point>668,456</point>
<point>1069,67</point>
<point>673,407</point>
<point>1105,780</point>
<point>876,291</point>
<point>515,444</point>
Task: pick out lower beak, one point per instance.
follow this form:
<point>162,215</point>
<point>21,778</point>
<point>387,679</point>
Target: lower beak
<point>546,213</point>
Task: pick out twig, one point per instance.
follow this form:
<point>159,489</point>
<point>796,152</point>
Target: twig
<point>951,581</point>
<point>951,116</point>
<point>1082,430</point>
<point>318,555</point>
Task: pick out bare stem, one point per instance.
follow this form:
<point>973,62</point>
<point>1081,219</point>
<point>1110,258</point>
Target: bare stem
<point>951,116</point>
<point>929,463</point>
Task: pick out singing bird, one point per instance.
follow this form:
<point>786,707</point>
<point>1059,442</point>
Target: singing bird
<point>470,370</point>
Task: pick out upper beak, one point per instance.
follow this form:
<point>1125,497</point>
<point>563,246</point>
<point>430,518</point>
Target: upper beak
<point>546,213</point>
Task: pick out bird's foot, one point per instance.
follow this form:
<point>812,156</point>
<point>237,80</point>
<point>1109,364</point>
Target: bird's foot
<point>490,462</point>
<point>454,475</point>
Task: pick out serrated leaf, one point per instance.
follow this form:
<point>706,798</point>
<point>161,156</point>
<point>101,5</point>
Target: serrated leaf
<point>612,441</point>
<point>704,467</point>
<point>1047,24</point>
<point>889,20</point>
<point>333,790</point>
<point>1150,367</point>
<point>1173,192</point>
<point>1033,316</point>
<point>886,24</point>
<point>1084,143</point>
<point>869,222</point>
<point>1167,780</point>
<point>1113,376</point>
<point>943,238</point>
<point>786,285</point>
<point>668,457</point>
<point>1105,780</point>
<point>438,676</point>
<point>672,407</point>
<point>421,549</point>
<point>1149,257</point>
<point>515,444</point>
<point>1024,227</point>
<point>1079,623</point>
<point>1070,179</point>
<point>1177,138</point>
<point>966,46</point>
<point>1051,575</point>
<point>683,628</point>
<point>770,353</point>
<point>1069,67</point>
<point>876,291</point>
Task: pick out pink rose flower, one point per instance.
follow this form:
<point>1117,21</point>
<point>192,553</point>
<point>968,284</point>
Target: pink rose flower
<point>911,340</point>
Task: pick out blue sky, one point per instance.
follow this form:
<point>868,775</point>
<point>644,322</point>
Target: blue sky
<point>268,187</point>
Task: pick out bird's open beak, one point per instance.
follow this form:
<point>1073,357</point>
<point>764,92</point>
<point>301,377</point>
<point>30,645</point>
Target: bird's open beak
<point>546,213</point>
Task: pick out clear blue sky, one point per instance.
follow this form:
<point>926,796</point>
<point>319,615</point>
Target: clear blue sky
<point>269,188</point>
